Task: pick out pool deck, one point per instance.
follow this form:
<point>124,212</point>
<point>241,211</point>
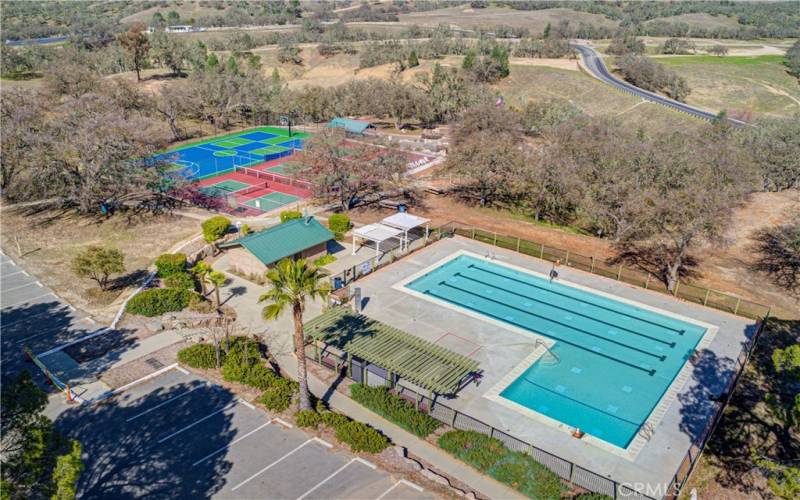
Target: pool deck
<point>500,349</point>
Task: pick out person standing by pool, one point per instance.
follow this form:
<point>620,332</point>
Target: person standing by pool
<point>553,272</point>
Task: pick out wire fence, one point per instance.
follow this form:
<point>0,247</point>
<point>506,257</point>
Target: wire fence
<point>362,372</point>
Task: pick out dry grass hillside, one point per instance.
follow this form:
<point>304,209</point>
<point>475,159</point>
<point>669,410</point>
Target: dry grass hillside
<point>535,20</point>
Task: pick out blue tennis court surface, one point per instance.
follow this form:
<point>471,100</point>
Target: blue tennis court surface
<point>220,155</point>
<point>611,363</point>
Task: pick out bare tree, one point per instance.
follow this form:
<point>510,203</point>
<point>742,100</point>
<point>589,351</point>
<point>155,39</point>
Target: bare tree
<point>172,104</point>
<point>345,170</point>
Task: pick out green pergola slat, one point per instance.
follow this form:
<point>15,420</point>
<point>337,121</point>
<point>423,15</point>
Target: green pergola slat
<point>427,365</point>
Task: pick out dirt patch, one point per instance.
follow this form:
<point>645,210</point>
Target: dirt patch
<point>46,241</point>
<point>570,64</point>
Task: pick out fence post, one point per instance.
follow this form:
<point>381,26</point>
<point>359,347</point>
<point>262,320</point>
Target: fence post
<point>647,282</point>
<point>591,270</point>
<point>473,233</point>
<point>518,240</point>
<point>541,252</point>
<point>566,259</point>
<point>619,273</point>
<point>455,414</point>
<point>495,238</point>
<point>705,299</point>
<point>675,291</point>
<point>738,302</point>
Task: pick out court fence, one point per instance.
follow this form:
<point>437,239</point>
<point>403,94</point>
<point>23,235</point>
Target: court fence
<point>362,372</point>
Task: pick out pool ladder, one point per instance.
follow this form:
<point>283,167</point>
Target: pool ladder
<point>551,357</point>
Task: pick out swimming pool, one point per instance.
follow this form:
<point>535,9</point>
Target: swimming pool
<point>611,361</point>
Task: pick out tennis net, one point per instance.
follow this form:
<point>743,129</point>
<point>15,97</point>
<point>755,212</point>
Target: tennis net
<point>273,177</point>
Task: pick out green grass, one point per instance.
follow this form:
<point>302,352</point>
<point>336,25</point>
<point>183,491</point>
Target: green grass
<point>732,60</point>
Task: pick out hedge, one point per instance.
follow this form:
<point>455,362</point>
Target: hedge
<point>215,228</point>
<point>181,279</point>
<point>287,215</point>
<point>516,469</point>
<point>243,364</point>
<point>307,418</point>
<point>168,264</point>
<point>361,437</point>
<point>200,356</point>
<point>394,409</point>
<point>324,260</point>
<point>157,301</point>
<point>339,224</point>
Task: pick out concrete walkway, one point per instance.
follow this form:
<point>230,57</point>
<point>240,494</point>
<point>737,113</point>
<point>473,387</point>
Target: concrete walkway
<point>277,335</point>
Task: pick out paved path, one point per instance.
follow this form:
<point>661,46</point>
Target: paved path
<point>595,65</point>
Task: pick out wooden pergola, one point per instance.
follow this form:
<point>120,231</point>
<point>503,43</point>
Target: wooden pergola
<point>425,364</point>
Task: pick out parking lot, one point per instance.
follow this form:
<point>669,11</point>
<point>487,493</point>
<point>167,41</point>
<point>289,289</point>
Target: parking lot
<point>33,316</point>
<point>178,436</point>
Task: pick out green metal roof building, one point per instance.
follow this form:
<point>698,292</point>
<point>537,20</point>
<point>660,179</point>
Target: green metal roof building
<point>304,237</point>
<point>350,126</point>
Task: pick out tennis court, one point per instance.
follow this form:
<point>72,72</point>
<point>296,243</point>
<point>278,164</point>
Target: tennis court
<point>222,154</point>
<point>271,201</point>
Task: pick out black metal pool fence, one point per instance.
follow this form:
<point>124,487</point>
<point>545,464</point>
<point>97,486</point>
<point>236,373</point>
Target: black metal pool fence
<point>564,468</point>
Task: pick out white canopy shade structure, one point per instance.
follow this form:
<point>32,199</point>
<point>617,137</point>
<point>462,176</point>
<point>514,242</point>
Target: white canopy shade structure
<point>377,233</point>
<point>406,222</point>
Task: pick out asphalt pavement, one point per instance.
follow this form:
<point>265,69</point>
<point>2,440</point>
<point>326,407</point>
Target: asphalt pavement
<point>179,436</point>
<point>594,64</point>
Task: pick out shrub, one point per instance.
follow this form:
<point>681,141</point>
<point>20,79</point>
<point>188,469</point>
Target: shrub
<point>157,301</point>
<point>260,376</point>
<point>307,418</point>
<point>478,450</point>
<point>215,228</point>
<point>279,396</point>
<point>361,437</point>
<point>246,230</point>
<point>395,409</point>
<point>182,280</point>
<point>168,264</point>
<point>324,260</point>
<point>242,356</point>
<point>516,469</point>
<point>526,475</point>
<point>333,420</point>
<point>287,215</point>
<point>339,224</point>
<point>200,356</point>
<point>98,263</point>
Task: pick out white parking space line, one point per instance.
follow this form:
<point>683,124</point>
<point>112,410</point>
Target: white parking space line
<point>15,272</point>
<point>226,407</point>
<point>182,370</point>
<point>276,462</point>
<point>340,469</point>
<point>164,403</point>
<point>247,404</point>
<point>27,300</point>
<point>26,285</point>
<point>398,483</point>
<point>283,422</point>
<point>44,332</point>
<point>231,444</point>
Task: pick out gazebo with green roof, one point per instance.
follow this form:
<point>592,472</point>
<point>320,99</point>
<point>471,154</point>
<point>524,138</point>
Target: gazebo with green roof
<point>425,364</point>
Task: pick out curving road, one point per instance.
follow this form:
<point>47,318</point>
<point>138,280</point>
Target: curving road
<point>595,65</point>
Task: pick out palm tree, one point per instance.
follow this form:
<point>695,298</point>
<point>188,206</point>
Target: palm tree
<point>217,279</point>
<point>201,270</point>
<point>292,282</point>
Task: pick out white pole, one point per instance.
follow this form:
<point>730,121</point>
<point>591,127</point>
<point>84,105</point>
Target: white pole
<point>426,231</point>
<point>377,248</point>
<point>354,243</point>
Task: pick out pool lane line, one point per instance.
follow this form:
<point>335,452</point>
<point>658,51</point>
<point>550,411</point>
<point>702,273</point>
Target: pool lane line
<point>661,357</point>
<point>671,344</point>
<point>582,403</point>
<point>611,309</point>
<point>650,371</point>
